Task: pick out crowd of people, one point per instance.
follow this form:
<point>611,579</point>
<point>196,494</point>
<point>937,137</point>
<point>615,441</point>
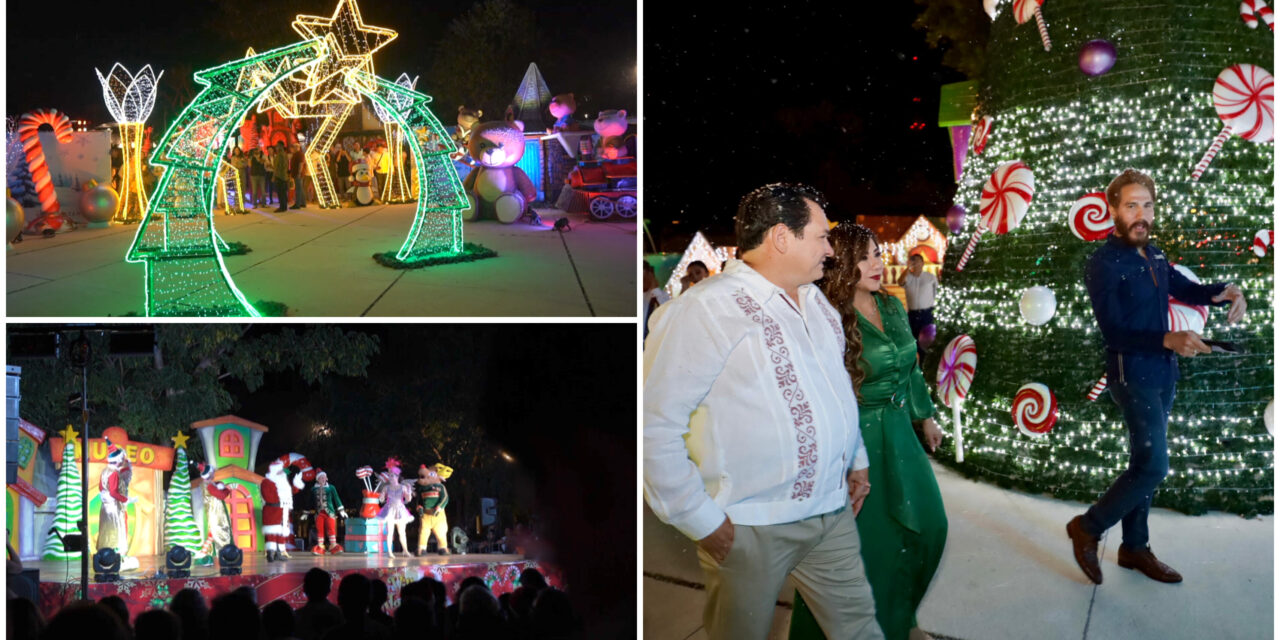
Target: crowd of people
<point>270,173</point>
<point>533,611</point>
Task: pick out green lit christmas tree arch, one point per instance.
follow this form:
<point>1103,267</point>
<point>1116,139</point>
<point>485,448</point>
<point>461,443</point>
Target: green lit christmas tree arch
<point>185,272</point>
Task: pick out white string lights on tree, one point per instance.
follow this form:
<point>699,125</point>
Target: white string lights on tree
<point>395,189</point>
<point>130,98</point>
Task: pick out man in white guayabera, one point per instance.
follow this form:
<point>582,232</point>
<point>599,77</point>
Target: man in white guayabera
<point>751,440</point>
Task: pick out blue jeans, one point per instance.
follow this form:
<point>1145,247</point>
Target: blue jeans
<point>919,319</point>
<point>299,191</point>
<point>1146,413</point>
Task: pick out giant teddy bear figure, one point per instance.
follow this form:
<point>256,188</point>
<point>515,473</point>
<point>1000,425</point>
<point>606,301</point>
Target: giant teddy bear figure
<point>562,107</point>
<point>496,186</point>
<point>611,126</point>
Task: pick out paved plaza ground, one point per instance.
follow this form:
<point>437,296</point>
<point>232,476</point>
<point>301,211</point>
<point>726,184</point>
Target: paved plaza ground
<point>318,263</point>
<point>1008,573</point>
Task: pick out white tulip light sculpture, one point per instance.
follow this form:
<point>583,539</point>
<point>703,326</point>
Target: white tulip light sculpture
<point>130,98</point>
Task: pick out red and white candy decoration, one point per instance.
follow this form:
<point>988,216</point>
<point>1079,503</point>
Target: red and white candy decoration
<point>300,462</point>
<point>981,131</point>
<point>1098,388</point>
<point>1035,409</point>
<point>1183,316</point>
<point>1244,96</point>
<point>1005,200</point>
<point>1024,10</point>
<point>1090,217</point>
<point>955,375</point>
<point>1262,241</point>
<point>1251,10</point>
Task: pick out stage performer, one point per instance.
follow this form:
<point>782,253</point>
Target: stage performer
<point>113,489</point>
<point>1142,367</point>
<point>432,498</point>
<point>328,508</point>
<point>393,494</point>
<point>217,524</point>
<point>277,501</point>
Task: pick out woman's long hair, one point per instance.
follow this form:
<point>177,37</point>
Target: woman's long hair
<point>852,243</point>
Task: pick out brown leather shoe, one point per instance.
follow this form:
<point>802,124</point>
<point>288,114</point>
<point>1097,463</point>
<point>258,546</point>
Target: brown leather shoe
<point>1146,562</point>
<point>1085,547</point>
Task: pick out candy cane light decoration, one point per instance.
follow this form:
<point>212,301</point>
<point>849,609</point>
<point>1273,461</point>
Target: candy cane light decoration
<point>29,134</point>
<point>130,98</point>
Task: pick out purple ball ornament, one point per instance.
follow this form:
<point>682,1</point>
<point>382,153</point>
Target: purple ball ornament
<point>927,335</point>
<point>955,219</point>
<point>1097,57</point>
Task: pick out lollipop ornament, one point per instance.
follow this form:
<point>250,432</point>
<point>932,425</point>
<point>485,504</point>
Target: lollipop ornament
<point>955,375</point>
<point>1090,217</point>
<point>1035,409</point>
<point>1024,10</point>
<point>1005,200</point>
<point>1244,96</point>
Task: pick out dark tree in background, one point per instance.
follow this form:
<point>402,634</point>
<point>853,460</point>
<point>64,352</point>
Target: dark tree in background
<point>960,28</point>
<point>482,58</point>
<point>189,375</point>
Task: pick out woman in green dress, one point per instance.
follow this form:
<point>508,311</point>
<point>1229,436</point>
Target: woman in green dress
<point>902,524</point>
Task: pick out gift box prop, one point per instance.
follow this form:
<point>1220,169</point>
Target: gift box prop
<point>364,535</point>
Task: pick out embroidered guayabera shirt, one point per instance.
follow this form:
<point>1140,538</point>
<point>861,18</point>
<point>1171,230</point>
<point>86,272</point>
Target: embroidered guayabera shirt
<point>748,409</point>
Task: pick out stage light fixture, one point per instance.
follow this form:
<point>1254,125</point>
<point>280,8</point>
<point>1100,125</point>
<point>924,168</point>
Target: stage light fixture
<point>458,540</point>
<point>562,224</point>
<point>106,564</point>
<point>229,560</point>
<point>177,563</point>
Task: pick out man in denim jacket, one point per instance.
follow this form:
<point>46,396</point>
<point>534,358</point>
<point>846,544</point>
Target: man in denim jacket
<point>1129,284</point>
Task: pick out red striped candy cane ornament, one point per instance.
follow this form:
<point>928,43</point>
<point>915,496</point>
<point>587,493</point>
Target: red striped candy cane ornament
<point>1098,388</point>
<point>1251,10</point>
<point>28,133</point>
<point>1024,10</point>
<point>1244,96</point>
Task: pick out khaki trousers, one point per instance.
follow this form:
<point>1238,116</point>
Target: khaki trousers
<point>822,554</point>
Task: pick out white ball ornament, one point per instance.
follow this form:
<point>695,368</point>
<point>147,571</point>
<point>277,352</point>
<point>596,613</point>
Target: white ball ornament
<point>1038,305</point>
<point>1269,417</point>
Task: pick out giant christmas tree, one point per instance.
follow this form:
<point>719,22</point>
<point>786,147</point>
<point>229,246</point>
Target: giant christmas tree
<point>1152,111</point>
<point>67,512</point>
<point>179,522</point>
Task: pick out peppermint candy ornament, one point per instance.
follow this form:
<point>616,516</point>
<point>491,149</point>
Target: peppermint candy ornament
<point>1183,316</point>
<point>1261,242</point>
<point>981,131</point>
<point>1005,200</point>
<point>1035,409</point>
<point>1090,217</point>
<point>1244,96</point>
<point>1024,10</point>
<point>955,375</point>
<point>1251,10</point>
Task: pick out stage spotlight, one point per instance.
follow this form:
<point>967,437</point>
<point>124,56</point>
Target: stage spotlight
<point>177,563</point>
<point>106,565</point>
<point>563,225</point>
<point>458,540</point>
<point>229,560</point>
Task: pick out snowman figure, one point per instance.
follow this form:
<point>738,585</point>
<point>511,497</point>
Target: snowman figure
<point>361,180</point>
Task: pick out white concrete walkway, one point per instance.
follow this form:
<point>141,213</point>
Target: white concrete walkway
<point>318,262</point>
<point>1008,573</point>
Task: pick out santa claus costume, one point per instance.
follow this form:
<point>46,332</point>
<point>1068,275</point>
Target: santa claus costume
<point>328,508</point>
<point>217,524</point>
<point>394,494</point>
<point>277,501</point>
<point>113,489</point>
<point>432,498</point>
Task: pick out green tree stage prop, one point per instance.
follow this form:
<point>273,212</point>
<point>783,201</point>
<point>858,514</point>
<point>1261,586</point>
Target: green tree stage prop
<point>1152,111</point>
<point>179,522</point>
<point>67,512</point>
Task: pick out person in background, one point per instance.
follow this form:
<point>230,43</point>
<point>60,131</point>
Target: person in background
<point>653,296</point>
<point>382,166</point>
<point>280,169</point>
<point>297,167</point>
<point>257,176</point>
<point>921,287</point>
<point>341,172</point>
<point>267,154</point>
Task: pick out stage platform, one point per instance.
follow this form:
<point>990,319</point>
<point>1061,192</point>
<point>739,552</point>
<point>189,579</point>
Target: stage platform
<point>148,588</point>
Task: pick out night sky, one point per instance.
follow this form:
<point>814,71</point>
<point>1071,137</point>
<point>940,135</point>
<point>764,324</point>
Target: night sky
<point>815,92</point>
<point>52,50</point>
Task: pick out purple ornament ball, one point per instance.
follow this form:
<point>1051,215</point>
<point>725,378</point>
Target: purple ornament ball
<point>1097,57</point>
<point>955,219</point>
<point>927,335</point>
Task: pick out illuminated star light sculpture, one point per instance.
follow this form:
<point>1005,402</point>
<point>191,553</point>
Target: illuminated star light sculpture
<point>395,189</point>
<point>130,98</point>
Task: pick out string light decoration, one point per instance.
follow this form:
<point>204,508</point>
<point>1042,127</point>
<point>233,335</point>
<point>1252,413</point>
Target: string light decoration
<point>436,234</point>
<point>232,192</point>
<point>185,273</point>
<point>130,98</point>
<point>699,249</point>
<point>1153,111</point>
<point>395,190</point>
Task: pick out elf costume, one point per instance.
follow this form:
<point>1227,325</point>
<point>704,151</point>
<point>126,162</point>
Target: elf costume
<point>432,498</point>
<point>328,508</point>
